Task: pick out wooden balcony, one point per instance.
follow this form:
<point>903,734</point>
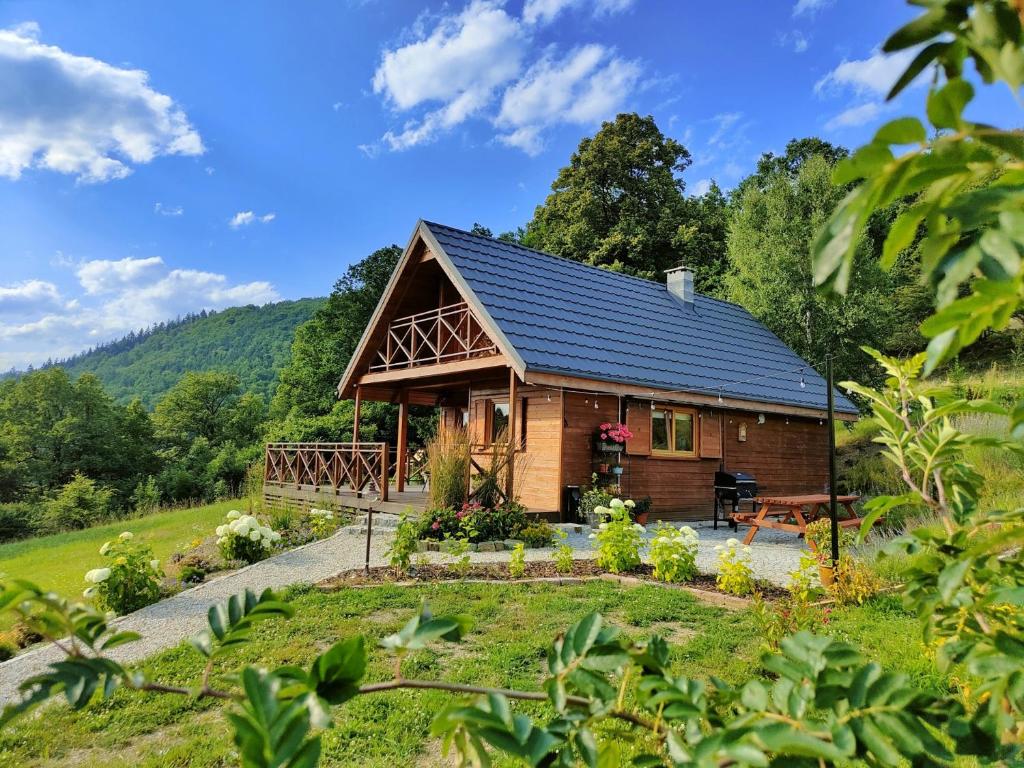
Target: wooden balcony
<point>444,335</point>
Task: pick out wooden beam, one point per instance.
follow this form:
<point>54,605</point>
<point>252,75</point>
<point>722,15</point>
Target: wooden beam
<point>513,421</point>
<point>410,375</point>
<point>355,416</point>
<point>555,381</point>
<point>401,454</point>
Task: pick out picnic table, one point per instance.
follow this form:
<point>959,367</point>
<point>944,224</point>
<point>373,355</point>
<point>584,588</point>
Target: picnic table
<point>793,513</point>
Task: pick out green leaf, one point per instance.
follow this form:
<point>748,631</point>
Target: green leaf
<point>946,105</point>
<point>335,674</point>
<point>924,27</point>
<point>901,235</point>
<point>902,130</point>
<point>924,57</point>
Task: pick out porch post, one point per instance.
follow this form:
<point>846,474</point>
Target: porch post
<point>402,450</point>
<point>355,417</point>
<point>513,422</point>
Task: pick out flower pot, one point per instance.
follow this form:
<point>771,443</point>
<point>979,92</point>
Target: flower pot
<point>642,518</point>
<point>827,574</point>
<point>602,468</point>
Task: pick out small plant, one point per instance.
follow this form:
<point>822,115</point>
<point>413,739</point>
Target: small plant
<point>797,611</point>
<point>458,548</point>
<point>448,468</point>
<point>146,497</point>
<point>282,518</point>
<point>241,537</point>
<point>536,534</point>
<point>321,522</point>
<point>130,582</point>
<point>190,574</point>
<point>563,555</point>
<point>517,562</point>
<point>819,537</point>
<point>735,576</point>
<point>618,539</point>
<point>854,582</point>
<point>593,497</point>
<point>674,553</point>
<point>403,547</point>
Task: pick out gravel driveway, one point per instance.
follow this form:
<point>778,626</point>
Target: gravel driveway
<point>167,623</point>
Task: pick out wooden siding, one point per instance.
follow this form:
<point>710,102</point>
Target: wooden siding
<point>580,420</point>
<point>538,484</point>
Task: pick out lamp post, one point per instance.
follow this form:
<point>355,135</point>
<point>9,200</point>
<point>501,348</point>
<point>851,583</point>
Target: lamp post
<point>832,505</point>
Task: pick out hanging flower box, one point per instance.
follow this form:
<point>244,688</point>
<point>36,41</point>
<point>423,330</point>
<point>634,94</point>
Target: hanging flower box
<point>611,437</point>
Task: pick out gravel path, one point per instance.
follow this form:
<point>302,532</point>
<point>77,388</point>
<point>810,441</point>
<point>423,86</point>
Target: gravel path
<point>167,623</point>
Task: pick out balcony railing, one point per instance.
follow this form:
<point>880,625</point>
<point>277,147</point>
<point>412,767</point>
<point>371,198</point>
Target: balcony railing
<point>356,468</point>
<point>441,335</point>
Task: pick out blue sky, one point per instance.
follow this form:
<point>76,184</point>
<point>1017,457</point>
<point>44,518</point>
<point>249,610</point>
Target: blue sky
<point>157,158</point>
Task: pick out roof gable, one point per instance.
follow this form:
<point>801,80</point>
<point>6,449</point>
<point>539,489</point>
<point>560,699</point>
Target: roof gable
<point>565,317</point>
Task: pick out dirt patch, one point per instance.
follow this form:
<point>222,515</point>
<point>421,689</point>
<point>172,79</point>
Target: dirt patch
<point>582,569</point>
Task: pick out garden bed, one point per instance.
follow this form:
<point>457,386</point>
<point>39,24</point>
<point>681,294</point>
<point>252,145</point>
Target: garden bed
<point>436,572</point>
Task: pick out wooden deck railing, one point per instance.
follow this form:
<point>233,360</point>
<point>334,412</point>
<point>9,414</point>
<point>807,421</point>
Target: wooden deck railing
<point>441,335</point>
<point>354,467</point>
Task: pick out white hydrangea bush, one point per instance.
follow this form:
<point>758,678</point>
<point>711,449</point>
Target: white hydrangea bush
<point>243,537</point>
<point>673,553</point>
<point>735,574</point>
<point>130,581</point>
<point>321,522</point>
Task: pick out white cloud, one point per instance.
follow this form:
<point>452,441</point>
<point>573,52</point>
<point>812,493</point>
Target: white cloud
<point>168,210</point>
<point>723,123</point>
<point>588,84</point>
<point>810,7</point>
<point>28,296</point>
<point>858,115</point>
<point>459,65</point>
<point>245,218</point>
<point>702,187</point>
<point>81,116</point>
<point>874,75</point>
<point>545,11</point>
<point>105,276</point>
<point>115,297</point>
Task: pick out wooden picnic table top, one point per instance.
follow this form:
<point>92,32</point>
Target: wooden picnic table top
<point>804,500</point>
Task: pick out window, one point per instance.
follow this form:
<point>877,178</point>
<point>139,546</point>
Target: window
<point>499,420</point>
<point>672,431</point>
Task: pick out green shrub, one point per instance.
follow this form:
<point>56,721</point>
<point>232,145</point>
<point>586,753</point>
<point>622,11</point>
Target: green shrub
<point>517,562</point>
<point>819,534</point>
<point>674,553</point>
<point>735,576</point>
<point>79,504</point>
<point>130,581</point>
<point>796,611</point>
<point>322,522</point>
<point>563,559</point>
<point>190,574</point>
<point>536,534</point>
<point>459,549</point>
<point>403,546</point>
<point>618,539</point>
<point>241,537</point>
<point>18,520</point>
<point>448,467</point>
<point>8,649</point>
<point>146,497</point>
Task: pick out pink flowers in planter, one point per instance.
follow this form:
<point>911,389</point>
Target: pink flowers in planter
<point>613,432</point>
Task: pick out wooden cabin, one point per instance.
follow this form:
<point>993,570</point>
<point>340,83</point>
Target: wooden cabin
<point>499,336</point>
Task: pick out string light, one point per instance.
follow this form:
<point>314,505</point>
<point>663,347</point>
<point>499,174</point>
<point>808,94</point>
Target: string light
<point>595,405</point>
<point>803,384</point>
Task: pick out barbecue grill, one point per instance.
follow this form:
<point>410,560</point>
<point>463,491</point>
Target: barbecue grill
<point>731,488</point>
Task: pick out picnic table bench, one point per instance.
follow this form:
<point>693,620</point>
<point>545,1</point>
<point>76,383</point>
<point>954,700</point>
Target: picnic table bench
<point>793,513</point>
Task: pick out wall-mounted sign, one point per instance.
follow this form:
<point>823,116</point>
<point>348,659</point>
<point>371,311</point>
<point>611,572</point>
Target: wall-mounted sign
<point>742,432</point>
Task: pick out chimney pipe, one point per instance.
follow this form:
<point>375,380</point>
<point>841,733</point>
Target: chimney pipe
<point>680,283</point>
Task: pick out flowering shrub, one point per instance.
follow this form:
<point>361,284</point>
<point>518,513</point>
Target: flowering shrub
<point>619,539</point>
<point>735,575</point>
<point>674,553</point>
<point>819,535</point>
<point>517,562</point>
<point>854,582</point>
<point>613,433</point>
<point>474,521</point>
<point>131,580</point>
<point>241,537</point>
<point>321,522</point>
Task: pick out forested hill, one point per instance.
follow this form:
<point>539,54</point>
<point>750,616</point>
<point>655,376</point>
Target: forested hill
<point>251,342</point>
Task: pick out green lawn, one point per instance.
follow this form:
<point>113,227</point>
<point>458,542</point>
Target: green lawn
<point>60,561</point>
<point>513,626</point>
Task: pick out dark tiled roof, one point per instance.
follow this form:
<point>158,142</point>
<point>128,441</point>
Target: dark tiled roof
<point>571,318</point>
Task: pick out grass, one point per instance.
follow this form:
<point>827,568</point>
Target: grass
<point>59,562</point>
<point>514,623</point>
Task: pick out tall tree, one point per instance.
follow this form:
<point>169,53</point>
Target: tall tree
<point>619,202</point>
<point>773,224</point>
<point>789,164</point>
<point>199,405</point>
<point>702,240</point>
